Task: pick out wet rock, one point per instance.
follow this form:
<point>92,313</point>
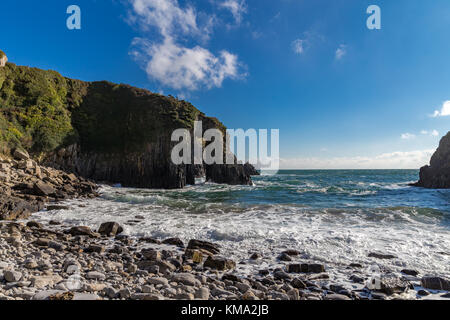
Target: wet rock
<point>203,245</point>
<point>410,272</point>
<point>174,242</point>
<point>380,255</point>
<point>255,256</point>
<point>423,293</point>
<point>110,229</point>
<point>231,277</point>
<point>390,284</point>
<point>95,248</point>
<point>82,231</point>
<point>298,283</point>
<point>219,263</point>
<point>292,252</point>
<point>435,283</point>
<point>281,275</point>
<point>284,257</point>
<point>357,279</point>
<point>34,224</point>
<point>355,265</point>
<point>55,208</point>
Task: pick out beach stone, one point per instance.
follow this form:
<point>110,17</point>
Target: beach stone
<point>298,283</point>
<point>95,248</point>
<point>202,293</point>
<point>56,245</point>
<point>158,281</point>
<point>34,224</point>
<point>356,279</point>
<point>151,254</point>
<point>203,245</point>
<point>125,293</point>
<point>336,297</point>
<point>110,229</point>
<point>435,283</point>
<point>294,268</point>
<point>82,231</point>
<point>46,294</point>
<point>95,275</point>
<point>110,292</point>
<point>422,292</point>
<point>184,296</point>
<point>281,275</point>
<point>249,296</point>
<point>219,263</point>
<point>12,276</point>
<point>390,284</point>
<point>175,242</point>
<point>78,296</point>
<point>186,279</point>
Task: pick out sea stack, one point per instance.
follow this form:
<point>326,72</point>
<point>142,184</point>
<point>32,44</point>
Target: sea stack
<point>437,174</point>
<point>3,59</point>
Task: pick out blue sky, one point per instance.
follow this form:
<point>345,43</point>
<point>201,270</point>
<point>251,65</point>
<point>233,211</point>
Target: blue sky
<point>343,96</point>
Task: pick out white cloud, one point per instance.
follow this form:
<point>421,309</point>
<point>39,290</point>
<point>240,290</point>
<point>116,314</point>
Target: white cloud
<point>168,61</point>
<point>237,8</point>
<point>186,68</point>
<point>394,160</point>
<point>433,133</point>
<point>445,110</point>
<point>408,136</point>
<point>341,52</point>
<point>298,46</point>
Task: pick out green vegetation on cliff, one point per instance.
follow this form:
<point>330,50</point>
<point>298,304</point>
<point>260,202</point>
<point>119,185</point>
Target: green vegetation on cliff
<point>42,111</point>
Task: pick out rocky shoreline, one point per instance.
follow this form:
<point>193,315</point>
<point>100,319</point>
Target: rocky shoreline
<point>26,187</point>
<point>63,262</point>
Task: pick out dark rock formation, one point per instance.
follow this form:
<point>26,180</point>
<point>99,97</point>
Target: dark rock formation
<point>437,174</point>
<point>103,131</point>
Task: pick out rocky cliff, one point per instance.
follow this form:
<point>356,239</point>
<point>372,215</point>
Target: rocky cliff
<point>101,130</point>
<point>437,174</point>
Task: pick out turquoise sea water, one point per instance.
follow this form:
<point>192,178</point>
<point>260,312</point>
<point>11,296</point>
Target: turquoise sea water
<point>335,217</point>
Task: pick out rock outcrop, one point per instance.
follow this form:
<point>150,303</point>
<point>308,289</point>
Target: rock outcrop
<point>26,187</point>
<point>437,174</point>
<point>103,131</point>
<point>3,59</point>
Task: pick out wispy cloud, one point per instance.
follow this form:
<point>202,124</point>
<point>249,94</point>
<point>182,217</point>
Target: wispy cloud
<point>433,133</point>
<point>408,136</point>
<point>341,52</point>
<point>444,112</point>
<point>298,46</point>
<point>394,160</point>
<point>237,8</point>
<point>169,61</point>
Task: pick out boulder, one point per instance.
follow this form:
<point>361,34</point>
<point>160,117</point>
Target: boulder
<point>204,245</point>
<point>174,242</point>
<point>21,155</point>
<point>435,283</point>
<point>110,229</point>
<point>43,189</point>
<point>219,263</point>
<point>82,231</point>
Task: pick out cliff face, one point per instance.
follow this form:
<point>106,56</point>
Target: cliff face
<point>437,174</point>
<point>102,131</point>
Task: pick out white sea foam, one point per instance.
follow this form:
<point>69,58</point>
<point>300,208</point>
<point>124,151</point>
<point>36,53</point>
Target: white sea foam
<point>334,237</point>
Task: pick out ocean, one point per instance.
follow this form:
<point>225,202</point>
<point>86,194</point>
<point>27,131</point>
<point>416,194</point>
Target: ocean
<point>333,217</point>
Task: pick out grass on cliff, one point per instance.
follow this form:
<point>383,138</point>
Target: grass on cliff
<point>41,111</point>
